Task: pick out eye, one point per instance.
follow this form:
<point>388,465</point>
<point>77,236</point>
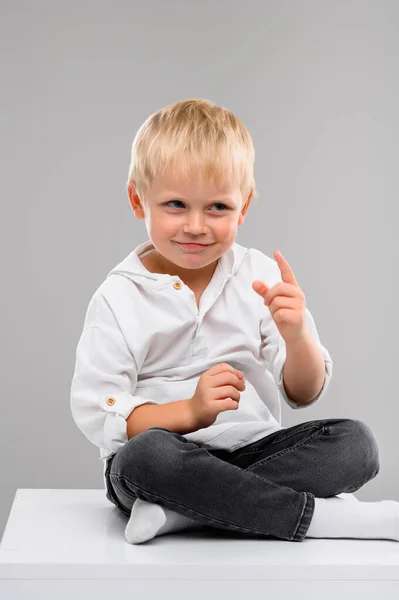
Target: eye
<point>216,204</point>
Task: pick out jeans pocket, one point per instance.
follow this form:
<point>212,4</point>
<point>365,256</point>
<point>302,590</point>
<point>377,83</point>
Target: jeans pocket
<point>277,438</point>
<point>289,442</point>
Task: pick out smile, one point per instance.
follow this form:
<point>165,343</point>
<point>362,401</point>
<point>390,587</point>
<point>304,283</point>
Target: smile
<point>194,246</point>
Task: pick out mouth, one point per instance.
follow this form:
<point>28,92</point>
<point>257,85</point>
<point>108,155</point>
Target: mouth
<point>192,246</point>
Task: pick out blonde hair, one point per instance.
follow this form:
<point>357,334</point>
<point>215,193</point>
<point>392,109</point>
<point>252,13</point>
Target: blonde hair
<point>199,137</point>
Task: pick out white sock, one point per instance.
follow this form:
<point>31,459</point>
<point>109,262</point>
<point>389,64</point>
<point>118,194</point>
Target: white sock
<point>335,518</point>
<point>346,496</point>
<point>332,518</point>
<point>148,520</point>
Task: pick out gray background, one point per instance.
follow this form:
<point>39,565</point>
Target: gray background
<point>316,83</point>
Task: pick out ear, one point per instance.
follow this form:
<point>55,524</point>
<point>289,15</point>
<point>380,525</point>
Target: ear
<point>245,208</point>
<point>135,201</point>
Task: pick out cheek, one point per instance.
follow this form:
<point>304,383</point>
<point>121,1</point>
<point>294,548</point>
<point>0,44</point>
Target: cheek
<point>163,223</point>
<point>226,224</point>
<point>230,228</point>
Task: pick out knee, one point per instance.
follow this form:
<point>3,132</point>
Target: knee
<point>146,454</point>
<point>364,446</point>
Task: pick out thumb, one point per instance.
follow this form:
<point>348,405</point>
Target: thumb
<point>260,288</point>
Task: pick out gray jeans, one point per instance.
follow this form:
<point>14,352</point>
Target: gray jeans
<point>267,487</point>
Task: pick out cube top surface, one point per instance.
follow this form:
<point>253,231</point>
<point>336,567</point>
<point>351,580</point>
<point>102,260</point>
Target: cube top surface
<point>79,533</point>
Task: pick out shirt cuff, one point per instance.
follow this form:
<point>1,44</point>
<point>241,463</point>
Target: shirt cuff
<point>119,408</point>
<point>278,376</point>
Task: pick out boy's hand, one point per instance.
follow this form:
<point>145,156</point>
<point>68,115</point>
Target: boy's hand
<point>286,302</point>
<point>214,388</point>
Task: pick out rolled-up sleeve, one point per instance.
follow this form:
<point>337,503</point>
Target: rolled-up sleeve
<point>273,351</point>
<point>102,387</point>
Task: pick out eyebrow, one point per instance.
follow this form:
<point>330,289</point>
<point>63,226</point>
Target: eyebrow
<point>176,196</point>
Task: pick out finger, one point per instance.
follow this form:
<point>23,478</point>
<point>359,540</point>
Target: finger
<point>287,290</point>
<point>287,274</point>
<point>283,302</point>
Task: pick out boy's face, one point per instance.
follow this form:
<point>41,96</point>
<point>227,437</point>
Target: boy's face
<point>194,211</point>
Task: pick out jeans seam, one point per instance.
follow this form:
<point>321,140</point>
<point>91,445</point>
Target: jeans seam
<point>110,490</point>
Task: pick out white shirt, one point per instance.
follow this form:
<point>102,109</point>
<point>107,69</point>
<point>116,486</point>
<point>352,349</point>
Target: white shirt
<point>144,340</point>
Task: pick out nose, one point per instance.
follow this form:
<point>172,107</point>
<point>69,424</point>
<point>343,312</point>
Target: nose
<point>196,225</point>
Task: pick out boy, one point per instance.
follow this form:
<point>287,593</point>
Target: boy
<point>189,344</point>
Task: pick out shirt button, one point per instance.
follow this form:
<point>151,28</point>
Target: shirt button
<point>110,401</point>
<point>177,285</point>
